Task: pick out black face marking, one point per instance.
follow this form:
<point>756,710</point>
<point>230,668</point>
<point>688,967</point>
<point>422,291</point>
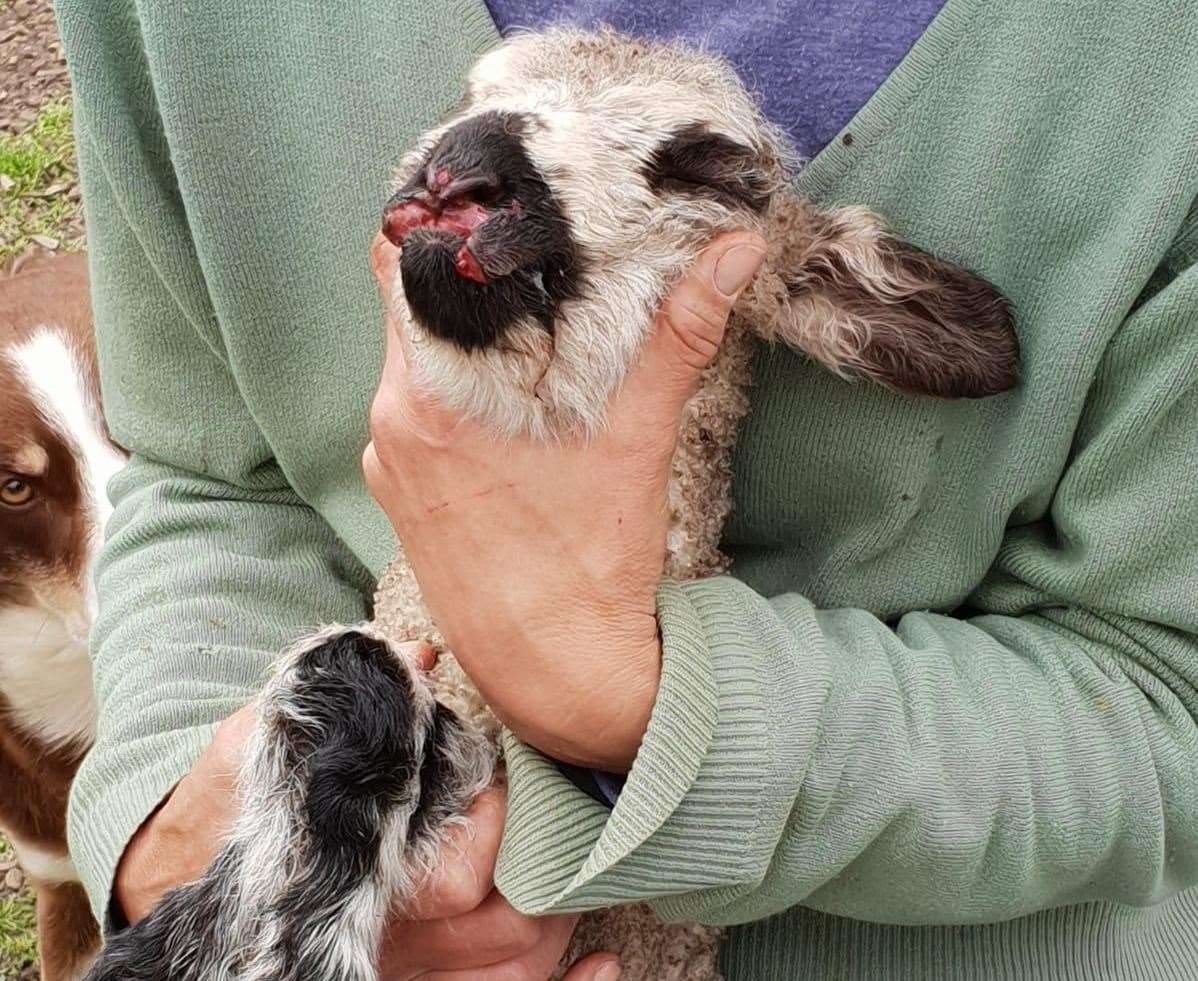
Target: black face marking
<point>525,247</point>
<point>468,314</point>
<point>694,160</point>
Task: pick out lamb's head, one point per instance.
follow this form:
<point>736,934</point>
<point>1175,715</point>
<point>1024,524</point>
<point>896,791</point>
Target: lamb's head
<point>542,224</point>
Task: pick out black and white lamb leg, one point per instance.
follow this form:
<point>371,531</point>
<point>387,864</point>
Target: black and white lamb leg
<point>353,777</point>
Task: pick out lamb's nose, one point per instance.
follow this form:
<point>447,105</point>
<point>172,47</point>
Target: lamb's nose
<point>437,179</point>
<point>474,185</point>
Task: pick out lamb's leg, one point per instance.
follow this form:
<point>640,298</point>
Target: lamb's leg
<point>353,776</point>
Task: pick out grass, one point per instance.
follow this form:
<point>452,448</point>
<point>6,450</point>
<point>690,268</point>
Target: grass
<point>36,169</point>
<point>18,946</point>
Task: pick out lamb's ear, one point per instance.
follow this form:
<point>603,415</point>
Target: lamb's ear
<point>697,160</point>
<point>863,302</point>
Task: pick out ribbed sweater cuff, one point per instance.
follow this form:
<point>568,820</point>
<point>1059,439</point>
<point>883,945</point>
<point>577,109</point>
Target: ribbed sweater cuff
<point>694,787</point>
<point>106,815</point>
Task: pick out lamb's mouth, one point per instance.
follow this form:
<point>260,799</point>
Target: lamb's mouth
<point>471,312</point>
<point>484,246</point>
<point>471,258</point>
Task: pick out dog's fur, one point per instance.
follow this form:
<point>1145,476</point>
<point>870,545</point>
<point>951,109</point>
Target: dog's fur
<point>541,226</point>
<point>54,448</point>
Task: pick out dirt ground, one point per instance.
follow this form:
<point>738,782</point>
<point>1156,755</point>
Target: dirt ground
<point>32,70</point>
<point>34,89</point>
<point>39,201</point>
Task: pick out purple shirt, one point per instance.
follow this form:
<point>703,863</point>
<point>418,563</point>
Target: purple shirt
<point>815,63</point>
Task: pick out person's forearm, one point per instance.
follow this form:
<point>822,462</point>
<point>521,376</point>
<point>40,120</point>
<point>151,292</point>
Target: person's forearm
<point>201,583</point>
<point>1039,752</point>
<point>948,772</point>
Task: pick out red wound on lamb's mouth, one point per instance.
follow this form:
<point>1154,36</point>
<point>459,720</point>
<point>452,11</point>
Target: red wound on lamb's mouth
<point>400,220</point>
<point>459,216</point>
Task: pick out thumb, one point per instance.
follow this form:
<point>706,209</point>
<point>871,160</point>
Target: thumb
<point>690,325</point>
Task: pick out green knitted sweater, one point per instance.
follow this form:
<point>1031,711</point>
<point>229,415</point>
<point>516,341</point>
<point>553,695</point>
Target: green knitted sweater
<point>940,721</point>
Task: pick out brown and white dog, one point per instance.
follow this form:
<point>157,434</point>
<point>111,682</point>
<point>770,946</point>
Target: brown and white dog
<point>55,459</point>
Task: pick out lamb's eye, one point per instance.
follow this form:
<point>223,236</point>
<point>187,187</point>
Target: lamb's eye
<point>15,492</point>
<point>696,160</point>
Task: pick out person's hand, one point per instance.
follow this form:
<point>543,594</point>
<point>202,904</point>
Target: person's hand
<point>457,927</point>
<point>540,562</point>
<point>178,841</point>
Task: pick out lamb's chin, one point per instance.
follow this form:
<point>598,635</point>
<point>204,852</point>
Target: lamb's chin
<point>517,391</point>
<point>496,387</point>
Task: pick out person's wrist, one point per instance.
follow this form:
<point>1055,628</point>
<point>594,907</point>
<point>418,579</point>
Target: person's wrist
<point>139,881</point>
<point>602,728</point>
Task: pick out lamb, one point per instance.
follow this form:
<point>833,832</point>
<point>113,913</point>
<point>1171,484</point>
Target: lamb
<point>55,457</point>
<point>540,226</point>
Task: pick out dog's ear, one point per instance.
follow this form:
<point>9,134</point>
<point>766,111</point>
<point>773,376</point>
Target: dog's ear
<point>862,302</point>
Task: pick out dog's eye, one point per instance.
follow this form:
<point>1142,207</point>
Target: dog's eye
<point>15,492</point>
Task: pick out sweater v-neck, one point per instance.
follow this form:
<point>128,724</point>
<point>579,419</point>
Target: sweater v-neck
<point>885,108</point>
<point>871,123</point>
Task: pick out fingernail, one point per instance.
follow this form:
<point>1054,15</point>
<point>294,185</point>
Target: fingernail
<point>611,972</point>
<point>736,267</point>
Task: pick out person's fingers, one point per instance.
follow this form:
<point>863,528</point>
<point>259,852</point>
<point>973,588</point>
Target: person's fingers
<point>690,325</point>
<point>597,967</point>
<point>395,361</point>
<point>490,934</point>
<point>222,760</point>
<point>384,263</point>
<point>374,474</point>
<point>534,965</point>
<point>384,259</point>
<point>215,774</point>
<point>402,403</point>
<point>466,873</point>
<point>403,408</point>
<point>181,837</point>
